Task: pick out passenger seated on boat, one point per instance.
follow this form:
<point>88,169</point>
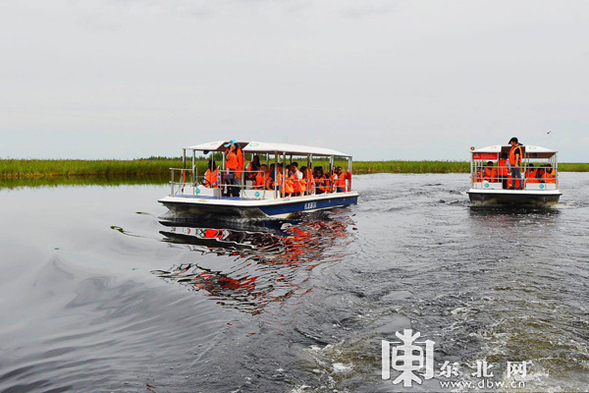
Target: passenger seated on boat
<point>549,174</point>
<point>489,172</point>
<point>308,180</point>
<point>531,174</point>
<point>321,183</point>
<point>261,177</point>
<point>502,172</point>
<point>341,179</point>
<point>299,183</point>
<point>252,168</point>
<point>211,175</point>
<point>288,186</point>
<point>540,175</point>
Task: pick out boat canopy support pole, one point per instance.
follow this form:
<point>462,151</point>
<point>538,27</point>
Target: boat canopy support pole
<point>275,171</point>
<point>350,169</point>
<point>183,158</point>
<point>282,194</point>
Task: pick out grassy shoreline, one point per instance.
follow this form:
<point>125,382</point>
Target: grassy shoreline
<point>31,169</point>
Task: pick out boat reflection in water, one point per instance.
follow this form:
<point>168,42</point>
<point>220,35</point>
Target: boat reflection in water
<point>247,264</point>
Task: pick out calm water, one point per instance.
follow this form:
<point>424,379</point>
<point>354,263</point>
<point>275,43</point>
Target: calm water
<point>98,293</point>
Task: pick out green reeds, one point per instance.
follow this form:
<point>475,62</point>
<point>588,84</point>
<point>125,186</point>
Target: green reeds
<point>160,167</point>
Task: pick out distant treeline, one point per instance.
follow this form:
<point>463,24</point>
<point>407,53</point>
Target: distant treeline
<point>160,167</point>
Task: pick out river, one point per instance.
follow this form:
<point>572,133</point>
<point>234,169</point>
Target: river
<point>100,292</point>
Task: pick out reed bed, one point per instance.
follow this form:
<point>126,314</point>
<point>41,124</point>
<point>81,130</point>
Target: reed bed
<point>159,167</point>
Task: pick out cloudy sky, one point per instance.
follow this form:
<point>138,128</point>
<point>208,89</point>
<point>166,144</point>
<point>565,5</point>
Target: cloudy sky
<point>378,79</point>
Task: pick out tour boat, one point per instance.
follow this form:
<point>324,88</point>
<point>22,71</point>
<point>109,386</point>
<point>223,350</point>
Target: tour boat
<point>538,184</point>
<point>191,195</point>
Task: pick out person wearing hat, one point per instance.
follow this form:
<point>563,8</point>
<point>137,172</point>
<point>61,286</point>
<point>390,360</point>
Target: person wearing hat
<point>515,160</point>
<point>231,167</point>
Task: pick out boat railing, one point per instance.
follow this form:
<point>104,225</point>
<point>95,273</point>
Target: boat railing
<point>178,184</point>
<point>244,183</point>
<point>485,176</point>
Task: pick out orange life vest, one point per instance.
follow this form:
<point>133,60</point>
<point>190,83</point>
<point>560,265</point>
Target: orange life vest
<point>512,155</point>
<point>489,174</point>
<point>239,162</point>
<point>502,168</point>
<point>478,176</point>
<point>341,181</point>
<point>288,183</point>
<point>550,177</point>
<point>510,182</point>
<point>275,182</point>
<point>231,162</point>
<point>211,178</point>
<point>298,184</point>
<point>260,179</point>
<point>531,176</point>
<point>322,183</point>
<point>310,183</point>
<point>251,171</point>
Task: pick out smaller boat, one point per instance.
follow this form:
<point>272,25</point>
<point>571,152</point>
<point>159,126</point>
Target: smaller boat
<point>237,192</point>
<point>492,183</point>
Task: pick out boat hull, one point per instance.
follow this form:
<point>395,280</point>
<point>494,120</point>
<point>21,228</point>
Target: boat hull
<point>514,197</point>
<point>277,208</point>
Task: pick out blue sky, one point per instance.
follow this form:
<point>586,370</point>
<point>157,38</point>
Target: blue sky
<point>377,79</point>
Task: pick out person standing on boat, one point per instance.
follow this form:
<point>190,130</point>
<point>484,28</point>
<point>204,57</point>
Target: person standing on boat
<point>515,160</point>
<point>231,167</point>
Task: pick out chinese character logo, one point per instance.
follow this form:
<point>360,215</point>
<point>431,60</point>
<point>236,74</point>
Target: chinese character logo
<point>408,357</point>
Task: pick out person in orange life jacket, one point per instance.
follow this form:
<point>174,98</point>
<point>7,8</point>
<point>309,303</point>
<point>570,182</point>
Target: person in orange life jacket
<point>239,154</point>
<point>231,166</point>
<point>282,181</point>
<point>298,181</point>
<point>308,179</point>
<point>340,180</point>
<point>549,174</point>
<point>321,183</point>
<point>211,175</point>
<point>502,174</point>
<point>261,177</point>
<point>252,168</point>
<point>489,172</point>
<point>275,178</point>
<point>288,188</point>
<point>531,174</point>
<point>515,159</point>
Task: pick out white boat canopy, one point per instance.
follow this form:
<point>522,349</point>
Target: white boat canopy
<point>530,151</point>
<point>264,147</point>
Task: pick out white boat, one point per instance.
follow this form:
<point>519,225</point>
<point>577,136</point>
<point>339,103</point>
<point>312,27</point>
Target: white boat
<point>537,186</point>
<point>190,197</point>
